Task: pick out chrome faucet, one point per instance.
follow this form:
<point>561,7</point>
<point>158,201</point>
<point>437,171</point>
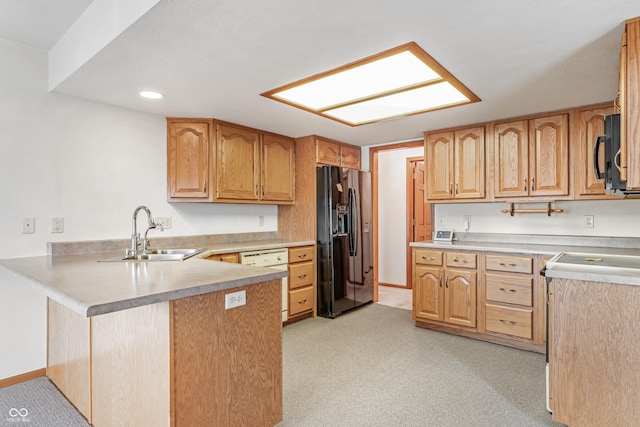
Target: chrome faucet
<point>135,236</point>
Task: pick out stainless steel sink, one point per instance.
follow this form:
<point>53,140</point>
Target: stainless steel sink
<point>159,255</point>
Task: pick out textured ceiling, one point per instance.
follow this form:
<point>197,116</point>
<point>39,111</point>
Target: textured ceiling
<point>212,58</point>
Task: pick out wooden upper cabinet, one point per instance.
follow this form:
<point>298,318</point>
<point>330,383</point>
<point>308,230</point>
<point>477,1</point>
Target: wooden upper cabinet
<point>438,149</point>
<point>455,164</point>
<point>532,157</point>
<point>549,156</point>
<point>350,157</point>
<point>327,152</point>
<point>188,145</point>
<point>238,161</point>
<point>589,124</point>
<point>335,153</point>
<point>469,163</point>
<point>511,159</point>
<point>278,168</point>
<point>630,105</point>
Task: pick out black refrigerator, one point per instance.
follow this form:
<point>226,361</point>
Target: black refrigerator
<point>345,241</point>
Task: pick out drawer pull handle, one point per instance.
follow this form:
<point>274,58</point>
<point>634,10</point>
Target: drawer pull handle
<point>302,255</point>
<point>510,265</point>
<point>464,261</point>
<point>428,259</point>
<point>510,290</point>
<point>302,301</point>
<point>302,276</point>
<point>512,322</point>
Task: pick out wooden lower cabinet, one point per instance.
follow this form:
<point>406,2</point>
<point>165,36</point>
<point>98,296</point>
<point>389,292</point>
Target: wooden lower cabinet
<point>185,362</point>
<point>302,283</point>
<point>492,297</point>
<point>594,353</point>
<point>442,294</point>
<point>231,257</point>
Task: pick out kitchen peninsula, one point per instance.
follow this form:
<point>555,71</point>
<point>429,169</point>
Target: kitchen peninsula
<point>151,343</point>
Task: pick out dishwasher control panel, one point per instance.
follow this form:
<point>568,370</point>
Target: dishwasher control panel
<point>265,258</point>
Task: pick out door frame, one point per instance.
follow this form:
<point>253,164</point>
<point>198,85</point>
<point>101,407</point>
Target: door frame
<point>373,167</point>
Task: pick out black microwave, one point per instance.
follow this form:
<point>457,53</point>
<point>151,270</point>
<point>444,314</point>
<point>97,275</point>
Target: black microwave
<point>611,167</point>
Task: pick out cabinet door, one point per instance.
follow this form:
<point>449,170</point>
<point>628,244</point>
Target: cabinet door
<point>428,301</point>
<point>278,168</point>
<point>469,163</point>
<point>237,163</point>
<point>350,157</point>
<point>511,159</point>
<point>622,105</point>
<point>438,150</point>
<point>327,152</point>
<point>188,159</point>
<point>590,125</point>
<point>632,107</point>
<point>549,156</point>
<point>460,297</point>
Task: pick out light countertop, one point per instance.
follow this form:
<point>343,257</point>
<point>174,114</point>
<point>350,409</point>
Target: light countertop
<point>91,288</point>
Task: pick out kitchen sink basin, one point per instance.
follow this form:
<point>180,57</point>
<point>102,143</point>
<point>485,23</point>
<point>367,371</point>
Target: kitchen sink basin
<point>159,255</point>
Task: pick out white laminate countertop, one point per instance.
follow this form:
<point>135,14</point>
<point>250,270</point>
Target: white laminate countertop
<point>91,288</point>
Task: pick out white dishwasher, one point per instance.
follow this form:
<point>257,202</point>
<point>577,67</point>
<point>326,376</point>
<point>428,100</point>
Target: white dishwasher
<point>271,258</point>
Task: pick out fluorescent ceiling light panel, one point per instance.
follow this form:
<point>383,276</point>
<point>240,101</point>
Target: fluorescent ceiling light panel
<point>401,81</point>
<point>150,94</point>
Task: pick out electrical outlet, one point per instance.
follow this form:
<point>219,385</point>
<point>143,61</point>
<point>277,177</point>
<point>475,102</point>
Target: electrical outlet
<point>28,225</point>
<point>466,219</point>
<point>588,221</point>
<point>164,221</point>
<point>57,225</point>
<point>260,221</point>
<point>441,220</point>
<point>235,299</point>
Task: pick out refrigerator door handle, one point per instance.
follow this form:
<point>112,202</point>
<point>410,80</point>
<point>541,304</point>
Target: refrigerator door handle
<point>353,237</point>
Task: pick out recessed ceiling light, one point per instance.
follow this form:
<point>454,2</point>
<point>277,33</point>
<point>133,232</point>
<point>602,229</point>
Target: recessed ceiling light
<point>151,94</point>
<point>399,82</point>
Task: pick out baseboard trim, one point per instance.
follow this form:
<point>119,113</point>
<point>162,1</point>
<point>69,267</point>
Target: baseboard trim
<point>392,285</point>
<point>23,377</point>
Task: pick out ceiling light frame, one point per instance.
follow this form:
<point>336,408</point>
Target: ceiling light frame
<point>443,76</point>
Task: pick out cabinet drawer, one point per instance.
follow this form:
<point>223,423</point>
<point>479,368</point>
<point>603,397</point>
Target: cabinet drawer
<point>230,257</point>
<point>461,259</point>
<point>509,320</point>
<point>300,300</point>
<point>515,264</point>
<point>303,253</point>
<point>428,257</point>
<point>510,289</point>
<point>300,274</point>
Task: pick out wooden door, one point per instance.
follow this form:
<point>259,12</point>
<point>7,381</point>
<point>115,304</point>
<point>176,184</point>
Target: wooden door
<point>238,163</point>
<point>277,168</point>
<point>188,159</point>
<point>438,151</point>
<point>469,163</point>
<point>327,152</point>
<point>460,297</point>
<point>549,156</point>
<point>428,301</point>
<point>590,125</point>
<point>511,163</point>
<point>418,211</point>
<point>350,157</point>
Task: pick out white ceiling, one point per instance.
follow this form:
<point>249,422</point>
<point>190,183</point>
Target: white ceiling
<point>212,58</point>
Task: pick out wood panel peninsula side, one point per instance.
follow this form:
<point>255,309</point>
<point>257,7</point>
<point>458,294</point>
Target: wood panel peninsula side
<point>153,344</point>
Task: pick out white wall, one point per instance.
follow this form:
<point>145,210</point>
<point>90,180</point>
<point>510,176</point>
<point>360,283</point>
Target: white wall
<point>91,164</point>
<point>611,218</point>
<point>392,214</point>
